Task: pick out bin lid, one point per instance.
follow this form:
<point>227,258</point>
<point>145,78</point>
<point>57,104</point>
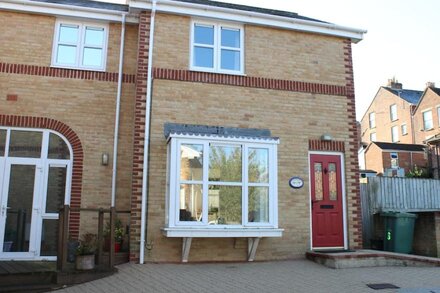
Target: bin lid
<point>398,215</point>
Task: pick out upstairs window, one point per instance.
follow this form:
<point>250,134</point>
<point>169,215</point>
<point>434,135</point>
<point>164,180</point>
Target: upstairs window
<point>80,45</point>
<point>217,48</point>
<point>373,136</point>
<point>394,134</point>
<point>372,117</point>
<point>438,115</point>
<point>393,112</point>
<point>427,120</point>
<point>404,129</point>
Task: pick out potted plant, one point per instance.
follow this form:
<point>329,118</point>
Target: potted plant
<point>119,234</point>
<point>85,252</point>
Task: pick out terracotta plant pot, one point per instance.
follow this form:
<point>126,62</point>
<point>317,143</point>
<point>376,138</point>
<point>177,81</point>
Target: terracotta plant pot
<point>85,262</point>
<point>117,247</point>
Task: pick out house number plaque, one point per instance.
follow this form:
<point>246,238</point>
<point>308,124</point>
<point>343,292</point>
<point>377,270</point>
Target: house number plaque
<point>296,182</point>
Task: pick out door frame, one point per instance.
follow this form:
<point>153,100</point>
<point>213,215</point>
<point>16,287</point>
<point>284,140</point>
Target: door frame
<point>44,163</point>
<point>33,229</point>
<point>344,198</point>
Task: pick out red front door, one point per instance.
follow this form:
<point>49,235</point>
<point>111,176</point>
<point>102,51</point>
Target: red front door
<point>326,196</point>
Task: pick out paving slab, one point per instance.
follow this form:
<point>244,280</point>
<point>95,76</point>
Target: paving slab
<point>279,276</point>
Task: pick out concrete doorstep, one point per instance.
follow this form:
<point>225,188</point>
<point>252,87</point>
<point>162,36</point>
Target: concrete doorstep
<point>370,258</point>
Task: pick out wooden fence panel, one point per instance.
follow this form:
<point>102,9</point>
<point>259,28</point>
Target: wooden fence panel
<point>401,194</point>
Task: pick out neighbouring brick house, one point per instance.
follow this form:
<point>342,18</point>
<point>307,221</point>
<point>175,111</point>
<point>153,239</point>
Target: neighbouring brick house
<point>388,118</point>
<point>236,103</point>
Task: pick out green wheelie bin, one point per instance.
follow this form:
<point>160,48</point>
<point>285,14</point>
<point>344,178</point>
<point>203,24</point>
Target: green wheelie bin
<point>399,231</point>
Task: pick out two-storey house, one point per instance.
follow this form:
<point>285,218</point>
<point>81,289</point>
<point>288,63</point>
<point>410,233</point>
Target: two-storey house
<point>227,131</point>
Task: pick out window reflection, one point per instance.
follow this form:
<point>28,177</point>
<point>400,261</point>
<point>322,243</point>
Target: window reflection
<point>224,205</point>
<point>258,167</point>
<point>2,142</point>
<point>191,202</point>
<point>225,163</point>
<point>25,144</point>
<point>258,204</point>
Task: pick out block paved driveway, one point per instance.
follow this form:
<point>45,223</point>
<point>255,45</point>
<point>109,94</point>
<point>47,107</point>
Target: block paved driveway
<point>279,276</point>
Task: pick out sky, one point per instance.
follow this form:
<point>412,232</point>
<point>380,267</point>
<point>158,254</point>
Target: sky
<point>402,42</point>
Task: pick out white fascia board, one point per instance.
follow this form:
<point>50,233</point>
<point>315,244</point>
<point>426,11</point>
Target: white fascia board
<point>64,10</point>
<point>222,233</point>
<point>250,17</point>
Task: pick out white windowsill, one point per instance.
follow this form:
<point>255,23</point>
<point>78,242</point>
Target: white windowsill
<point>208,70</point>
<point>78,68</point>
<point>219,233</point>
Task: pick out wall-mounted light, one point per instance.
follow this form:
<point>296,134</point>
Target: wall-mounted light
<point>104,159</point>
<point>326,137</point>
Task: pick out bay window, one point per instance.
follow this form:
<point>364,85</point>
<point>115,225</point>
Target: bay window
<point>220,183</point>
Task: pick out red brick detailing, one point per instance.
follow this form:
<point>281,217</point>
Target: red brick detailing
<point>249,81</point>
<point>64,73</point>
<point>321,145</point>
<point>139,130</point>
<point>78,156</point>
<point>11,98</point>
<point>353,189</point>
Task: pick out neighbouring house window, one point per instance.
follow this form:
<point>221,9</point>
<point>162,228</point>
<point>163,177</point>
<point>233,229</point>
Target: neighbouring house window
<point>394,160</point>
<point>393,112</point>
<point>438,115</point>
<point>427,120</point>
<point>373,136</point>
<point>218,182</point>
<point>394,134</point>
<point>80,45</point>
<point>372,118</point>
<point>217,47</point>
<point>404,129</point>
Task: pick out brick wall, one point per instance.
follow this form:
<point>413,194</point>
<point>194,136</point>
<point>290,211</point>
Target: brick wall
<point>374,159</point>
<point>139,134</point>
<point>381,106</point>
<point>426,235</point>
<point>84,101</point>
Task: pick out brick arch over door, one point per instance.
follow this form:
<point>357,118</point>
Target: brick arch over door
<point>78,156</point>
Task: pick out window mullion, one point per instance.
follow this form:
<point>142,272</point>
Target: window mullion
<point>81,40</point>
<point>217,45</point>
<point>205,183</point>
<point>245,188</point>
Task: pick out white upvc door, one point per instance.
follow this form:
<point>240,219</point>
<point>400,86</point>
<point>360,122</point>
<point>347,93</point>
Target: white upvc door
<point>20,209</point>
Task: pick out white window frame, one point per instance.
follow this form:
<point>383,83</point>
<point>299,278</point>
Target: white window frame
<point>372,119</point>
<point>394,134</point>
<point>373,138</point>
<point>438,115</point>
<point>217,47</point>
<point>393,112</point>
<point>404,127</point>
<point>424,121</point>
<point>394,156</point>
<point>80,44</point>
<point>173,194</point>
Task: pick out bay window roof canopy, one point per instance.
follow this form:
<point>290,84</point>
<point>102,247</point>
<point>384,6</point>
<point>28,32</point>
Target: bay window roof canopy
<point>221,182</point>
